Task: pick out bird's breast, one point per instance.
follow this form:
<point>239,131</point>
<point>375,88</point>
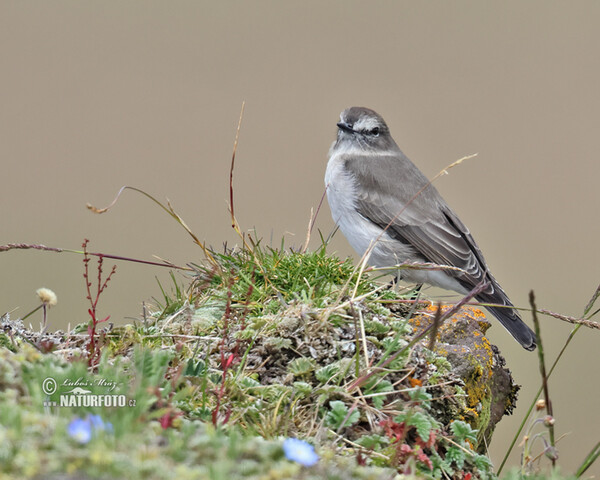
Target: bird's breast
<point>341,189</point>
<point>341,195</point>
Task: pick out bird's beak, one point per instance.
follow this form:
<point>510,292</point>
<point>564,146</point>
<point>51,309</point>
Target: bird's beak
<point>345,127</point>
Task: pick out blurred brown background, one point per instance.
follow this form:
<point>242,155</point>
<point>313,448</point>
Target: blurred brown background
<point>96,95</point>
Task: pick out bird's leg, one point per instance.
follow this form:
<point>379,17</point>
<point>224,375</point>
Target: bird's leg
<point>394,281</point>
<point>416,292</point>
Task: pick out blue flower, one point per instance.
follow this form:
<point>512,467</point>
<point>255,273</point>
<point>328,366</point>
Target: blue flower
<point>98,424</point>
<point>80,430</point>
<point>300,451</point>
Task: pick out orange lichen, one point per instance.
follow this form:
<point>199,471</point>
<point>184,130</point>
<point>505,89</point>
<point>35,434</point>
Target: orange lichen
<point>415,382</point>
<point>472,412</point>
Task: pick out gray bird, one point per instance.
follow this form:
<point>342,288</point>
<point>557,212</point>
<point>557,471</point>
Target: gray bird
<point>372,186</point>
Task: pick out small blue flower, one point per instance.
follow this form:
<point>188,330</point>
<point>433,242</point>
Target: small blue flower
<point>300,451</point>
<point>80,430</point>
<point>98,424</point>
<point>96,421</point>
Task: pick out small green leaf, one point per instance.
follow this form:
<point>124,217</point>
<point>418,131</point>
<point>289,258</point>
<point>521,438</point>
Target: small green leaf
<point>327,373</point>
<point>482,462</point>
<point>456,455</point>
<point>376,386</point>
<point>277,343</point>
<point>301,366</point>
<point>372,442</point>
<point>420,395</point>
<point>376,328</point>
<point>440,465</point>
<point>304,389</point>
<point>336,417</point>
<point>208,314</point>
<point>246,334</point>
<point>422,423</point>
<point>194,369</point>
<point>248,382</point>
<point>462,431</point>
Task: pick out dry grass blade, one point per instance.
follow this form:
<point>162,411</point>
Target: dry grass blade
<point>573,320</point>
<point>590,304</point>
<point>169,209</point>
<point>418,266</point>
<point>437,321</point>
<point>308,231</point>
<point>28,246</point>
<point>465,300</point>
<point>312,220</point>
<point>234,223</point>
<point>359,324</point>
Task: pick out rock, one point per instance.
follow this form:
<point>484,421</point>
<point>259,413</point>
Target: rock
<point>491,390</point>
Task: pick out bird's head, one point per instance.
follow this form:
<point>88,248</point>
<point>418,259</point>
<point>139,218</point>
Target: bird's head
<point>361,128</point>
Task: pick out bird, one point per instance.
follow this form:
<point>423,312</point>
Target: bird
<point>384,204</point>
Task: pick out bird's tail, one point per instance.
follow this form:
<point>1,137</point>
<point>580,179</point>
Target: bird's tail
<point>510,319</point>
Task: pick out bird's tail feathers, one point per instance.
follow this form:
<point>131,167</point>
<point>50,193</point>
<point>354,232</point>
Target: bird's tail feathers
<point>511,320</point>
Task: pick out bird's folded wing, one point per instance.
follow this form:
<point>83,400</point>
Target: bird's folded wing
<point>417,215</point>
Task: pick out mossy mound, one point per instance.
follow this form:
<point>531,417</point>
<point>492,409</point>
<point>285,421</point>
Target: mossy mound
<point>265,344</point>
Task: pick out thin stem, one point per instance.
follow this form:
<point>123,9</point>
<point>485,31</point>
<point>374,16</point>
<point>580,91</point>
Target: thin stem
<point>33,311</point>
<point>540,345</point>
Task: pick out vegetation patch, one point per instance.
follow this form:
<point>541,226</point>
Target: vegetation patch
<point>262,345</point>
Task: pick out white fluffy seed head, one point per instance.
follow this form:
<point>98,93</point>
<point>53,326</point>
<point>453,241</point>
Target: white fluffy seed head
<point>47,296</point>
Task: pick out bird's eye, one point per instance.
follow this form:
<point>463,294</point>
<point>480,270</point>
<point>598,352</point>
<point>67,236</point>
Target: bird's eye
<point>374,131</point>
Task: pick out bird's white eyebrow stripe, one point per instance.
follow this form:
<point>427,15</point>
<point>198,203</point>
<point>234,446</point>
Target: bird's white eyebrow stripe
<point>366,123</point>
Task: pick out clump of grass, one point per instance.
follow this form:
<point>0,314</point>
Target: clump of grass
<point>288,275</point>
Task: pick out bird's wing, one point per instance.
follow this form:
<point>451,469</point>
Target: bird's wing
<point>416,214</point>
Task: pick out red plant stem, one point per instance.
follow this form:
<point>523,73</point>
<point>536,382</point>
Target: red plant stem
<point>225,361</point>
<point>93,348</point>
